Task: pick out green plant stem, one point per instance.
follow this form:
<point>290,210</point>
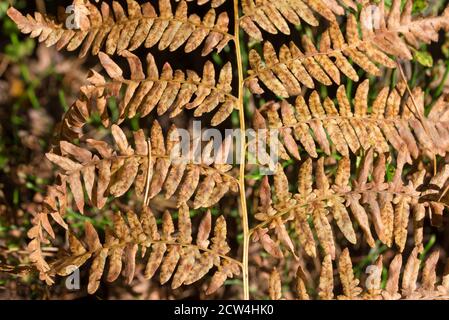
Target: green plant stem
<point>244,211</point>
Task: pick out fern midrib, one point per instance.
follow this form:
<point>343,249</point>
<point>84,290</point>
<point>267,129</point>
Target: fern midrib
<point>304,56</point>
<point>109,24</point>
<point>95,162</point>
<point>128,81</point>
<point>327,197</point>
<point>391,120</point>
<point>149,243</point>
<point>158,80</point>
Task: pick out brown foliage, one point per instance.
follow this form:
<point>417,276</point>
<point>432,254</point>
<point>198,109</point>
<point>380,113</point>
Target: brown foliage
<point>354,170</point>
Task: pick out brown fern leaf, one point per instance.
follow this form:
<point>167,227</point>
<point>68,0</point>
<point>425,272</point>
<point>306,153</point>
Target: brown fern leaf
<point>350,285</point>
<point>415,284</point>
<point>54,204</point>
<point>396,119</point>
<point>101,171</point>
<point>300,283</point>
<point>326,285</point>
<point>385,206</point>
<point>274,288</point>
<point>214,3</point>
<point>273,16</point>
<point>174,254</point>
<point>117,31</point>
<point>285,72</point>
<point>395,23</point>
<point>108,171</point>
<point>170,91</point>
<point>36,234</point>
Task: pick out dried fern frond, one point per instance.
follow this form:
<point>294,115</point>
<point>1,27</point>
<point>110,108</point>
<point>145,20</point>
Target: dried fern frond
<point>117,31</point>
<point>108,171</point>
<point>100,170</point>
<point>173,253</point>
<point>413,282</point>
<point>274,287</point>
<point>395,22</point>
<point>285,72</point>
<point>54,204</point>
<point>395,119</point>
<point>386,206</point>
<point>171,91</point>
<point>416,283</point>
<point>273,16</point>
<point>375,187</point>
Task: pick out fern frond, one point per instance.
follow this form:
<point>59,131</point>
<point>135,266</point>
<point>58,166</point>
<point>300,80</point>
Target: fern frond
<point>173,253</point>
<point>275,289</point>
<point>283,73</point>
<point>171,91</point>
<point>101,171</point>
<point>395,119</point>
<point>273,16</point>
<point>388,206</point>
<point>416,283</point>
<point>54,204</point>
<point>117,31</point>
<point>112,171</point>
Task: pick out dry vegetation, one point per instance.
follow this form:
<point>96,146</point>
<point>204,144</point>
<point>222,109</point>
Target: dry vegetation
<point>355,208</point>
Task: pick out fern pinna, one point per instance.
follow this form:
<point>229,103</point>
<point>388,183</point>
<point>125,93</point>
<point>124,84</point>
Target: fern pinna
<point>361,159</point>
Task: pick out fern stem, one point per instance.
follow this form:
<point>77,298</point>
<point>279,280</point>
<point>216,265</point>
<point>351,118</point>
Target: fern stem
<point>244,211</point>
<point>180,82</point>
<point>418,115</point>
<point>149,243</point>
